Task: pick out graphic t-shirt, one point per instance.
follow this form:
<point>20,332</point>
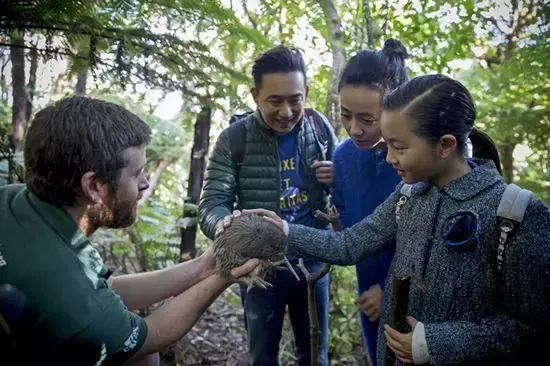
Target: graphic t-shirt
<point>295,202</point>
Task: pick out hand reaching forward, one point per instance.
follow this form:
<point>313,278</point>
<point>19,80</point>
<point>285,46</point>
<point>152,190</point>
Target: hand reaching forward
<point>269,215</point>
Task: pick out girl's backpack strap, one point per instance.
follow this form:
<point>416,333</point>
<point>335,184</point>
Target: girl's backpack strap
<point>404,195</point>
<point>510,211</point>
<point>406,190</point>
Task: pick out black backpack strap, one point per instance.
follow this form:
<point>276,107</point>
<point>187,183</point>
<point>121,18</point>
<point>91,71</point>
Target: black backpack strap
<point>320,130</point>
<point>237,117</point>
<point>237,142</point>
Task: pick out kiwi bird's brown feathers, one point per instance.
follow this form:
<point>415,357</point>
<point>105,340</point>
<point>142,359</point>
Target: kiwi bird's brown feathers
<point>249,236</point>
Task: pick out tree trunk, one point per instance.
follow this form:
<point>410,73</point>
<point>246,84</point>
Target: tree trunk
<point>82,66</point>
<point>4,93</point>
<point>368,24</point>
<point>196,173</point>
<point>31,86</point>
<point>521,16</point>
<point>19,107</point>
<point>338,62</point>
<point>19,92</point>
<point>80,88</point>
<point>507,156</point>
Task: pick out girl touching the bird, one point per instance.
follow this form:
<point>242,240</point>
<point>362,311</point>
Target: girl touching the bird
<point>480,290</point>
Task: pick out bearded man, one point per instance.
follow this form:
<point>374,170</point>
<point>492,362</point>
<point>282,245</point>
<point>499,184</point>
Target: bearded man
<point>84,167</point>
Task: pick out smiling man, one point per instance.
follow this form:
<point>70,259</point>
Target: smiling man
<point>276,158</point>
<point>84,166</point>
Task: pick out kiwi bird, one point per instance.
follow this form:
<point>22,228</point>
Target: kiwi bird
<point>252,236</point>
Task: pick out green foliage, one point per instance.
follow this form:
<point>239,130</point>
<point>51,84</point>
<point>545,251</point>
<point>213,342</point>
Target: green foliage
<point>535,176</point>
<point>436,32</point>
<point>142,42</point>
<point>6,153</point>
<point>513,100</point>
<point>318,85</point>
<point>204,51</point>
<point>345,329</point>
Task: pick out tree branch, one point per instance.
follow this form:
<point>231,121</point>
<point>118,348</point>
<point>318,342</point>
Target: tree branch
<point>154,180</point>
<point>311,278</point>
<point>31,85</point>
<point>333,217</point>
<point>250,18</point>
<point>314,328</point>
<point>44,50</point>
<point>369,21</point>
<point>494,22</point>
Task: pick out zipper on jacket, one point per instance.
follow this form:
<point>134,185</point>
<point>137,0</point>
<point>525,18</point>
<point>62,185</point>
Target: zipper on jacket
<point>429,245</point>
<point>309,174</point>
<point>276,143</point>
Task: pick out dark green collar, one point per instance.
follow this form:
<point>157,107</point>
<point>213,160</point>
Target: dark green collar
<point>59,221</point>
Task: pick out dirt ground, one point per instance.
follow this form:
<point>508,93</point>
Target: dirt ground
<point>219,338</point>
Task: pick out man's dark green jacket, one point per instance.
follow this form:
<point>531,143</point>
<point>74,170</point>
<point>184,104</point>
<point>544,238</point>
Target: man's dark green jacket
<point>256,183</point>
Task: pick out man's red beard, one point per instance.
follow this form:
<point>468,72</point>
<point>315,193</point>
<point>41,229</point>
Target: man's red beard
<point>115,214</point>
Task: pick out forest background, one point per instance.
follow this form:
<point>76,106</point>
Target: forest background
<point>184,66</point>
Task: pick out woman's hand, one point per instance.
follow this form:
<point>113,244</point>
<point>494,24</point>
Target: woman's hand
<point>370,302</point>
<point>324,171</point>
<point>269,215</point>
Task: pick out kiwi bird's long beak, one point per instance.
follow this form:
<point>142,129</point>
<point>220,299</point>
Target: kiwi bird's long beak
<point>290,268</point>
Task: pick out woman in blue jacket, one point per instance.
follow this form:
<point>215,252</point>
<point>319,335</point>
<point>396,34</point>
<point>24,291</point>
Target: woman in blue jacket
<point>363,179</point>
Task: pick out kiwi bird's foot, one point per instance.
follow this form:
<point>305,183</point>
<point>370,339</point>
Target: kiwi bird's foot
<point>255,281</point>
<point>278,266</point>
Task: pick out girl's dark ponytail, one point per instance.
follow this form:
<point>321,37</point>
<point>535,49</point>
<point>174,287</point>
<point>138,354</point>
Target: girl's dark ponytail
<point>483,147</point>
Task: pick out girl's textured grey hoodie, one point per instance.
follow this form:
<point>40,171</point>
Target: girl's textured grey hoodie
<point>469,316</point>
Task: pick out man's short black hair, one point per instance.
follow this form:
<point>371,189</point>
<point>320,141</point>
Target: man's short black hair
<point>279,59</point>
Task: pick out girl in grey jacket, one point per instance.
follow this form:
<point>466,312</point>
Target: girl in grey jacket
<point>463,311</point>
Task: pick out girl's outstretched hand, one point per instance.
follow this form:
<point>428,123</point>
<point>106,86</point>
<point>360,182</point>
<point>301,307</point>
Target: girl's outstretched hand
<point>399,343</point>
<point>270,215</point>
